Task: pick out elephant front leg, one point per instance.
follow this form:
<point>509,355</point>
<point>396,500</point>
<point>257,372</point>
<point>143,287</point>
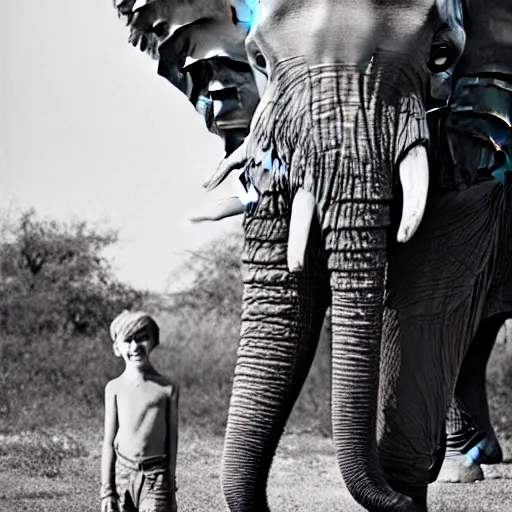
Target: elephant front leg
<point>471,437</point>
<point>471,389</point>
<point>438,287</point>
<point>415,391</point>
<point>417,395</point>
<point>281,322</point>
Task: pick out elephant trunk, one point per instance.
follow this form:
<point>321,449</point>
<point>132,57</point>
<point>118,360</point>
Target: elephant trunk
<point>360,136</point>
<point>282,316</point>
<point>357,301</point>
<point>357,246</point>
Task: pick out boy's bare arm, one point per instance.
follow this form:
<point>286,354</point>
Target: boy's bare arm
<point>108,458</point>
<point>173,431</point>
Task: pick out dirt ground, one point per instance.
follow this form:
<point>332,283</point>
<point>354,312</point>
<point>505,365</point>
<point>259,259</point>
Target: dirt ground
<point>304,478</point>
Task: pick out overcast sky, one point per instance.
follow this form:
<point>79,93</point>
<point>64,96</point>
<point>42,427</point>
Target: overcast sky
<point>88,130</point>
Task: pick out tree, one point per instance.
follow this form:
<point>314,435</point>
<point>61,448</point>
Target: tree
<point>211,279</point>
<point>53,278</point>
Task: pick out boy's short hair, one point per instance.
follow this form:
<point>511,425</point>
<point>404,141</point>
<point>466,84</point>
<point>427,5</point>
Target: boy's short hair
<point>130,323</point>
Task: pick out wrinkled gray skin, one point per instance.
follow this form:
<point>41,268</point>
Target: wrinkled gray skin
<point>488,53</point>
<point>346,255</point>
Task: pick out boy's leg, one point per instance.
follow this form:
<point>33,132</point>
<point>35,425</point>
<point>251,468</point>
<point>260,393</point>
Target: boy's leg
<point>156,494</point>
<point>124,486</point>
<point>126,503</point>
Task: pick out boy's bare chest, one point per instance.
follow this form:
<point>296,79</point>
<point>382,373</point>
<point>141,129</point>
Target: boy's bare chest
<point>141,399</point>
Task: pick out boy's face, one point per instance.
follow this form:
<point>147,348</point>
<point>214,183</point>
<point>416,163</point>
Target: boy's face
<point>135,349</point>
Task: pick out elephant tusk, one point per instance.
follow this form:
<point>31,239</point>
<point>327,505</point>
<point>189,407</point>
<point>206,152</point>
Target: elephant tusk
<point>303,207</point>
<point>223,209</point>
<point>414,179</point>
<point>236,160</point>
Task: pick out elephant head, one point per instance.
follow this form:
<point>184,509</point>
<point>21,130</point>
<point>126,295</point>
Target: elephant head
<point>336,146</point>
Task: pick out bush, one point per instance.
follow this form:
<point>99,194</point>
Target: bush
<point>54,278</point>
<point>200,354</point>
<point>58,295</point>
<point>210,280</point>
<point>54,381</point>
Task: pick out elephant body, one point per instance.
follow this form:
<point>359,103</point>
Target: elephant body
<point>438,308</point>
<point>336,161</point>
<point>473,145</point>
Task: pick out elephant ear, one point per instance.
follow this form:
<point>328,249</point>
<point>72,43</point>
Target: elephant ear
<point>151,22</point>
<point>200,40</point>
<point>181,32</point>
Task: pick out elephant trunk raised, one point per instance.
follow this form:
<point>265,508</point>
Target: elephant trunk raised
<point>332,152</point>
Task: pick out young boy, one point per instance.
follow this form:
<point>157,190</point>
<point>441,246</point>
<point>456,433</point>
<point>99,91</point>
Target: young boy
<point>138,463</point>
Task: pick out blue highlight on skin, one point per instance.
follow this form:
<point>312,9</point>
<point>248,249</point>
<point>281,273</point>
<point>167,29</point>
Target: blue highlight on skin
<point>203,102</point>
<point>477,452</point>
<point>474,454</point>
<point>268,161</point>
<point>499,173</point>
<point>253,6</point>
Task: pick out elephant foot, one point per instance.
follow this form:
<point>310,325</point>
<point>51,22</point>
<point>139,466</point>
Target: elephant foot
<point>466,450</point>
<point>460,469</point>
<point>465,468</point>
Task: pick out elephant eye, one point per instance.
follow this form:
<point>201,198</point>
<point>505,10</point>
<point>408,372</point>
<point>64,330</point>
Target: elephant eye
<point>260,60</point>
<point>440,58</point>
<point>256,57</point>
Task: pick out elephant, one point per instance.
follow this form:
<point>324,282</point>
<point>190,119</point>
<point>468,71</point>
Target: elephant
<point>309,233</point>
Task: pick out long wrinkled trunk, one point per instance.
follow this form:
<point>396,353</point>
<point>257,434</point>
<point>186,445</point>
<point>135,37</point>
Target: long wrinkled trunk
<point>356,331</point>
<point>281,322</point>
<point>357,215</point>
<point>357,263</point>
